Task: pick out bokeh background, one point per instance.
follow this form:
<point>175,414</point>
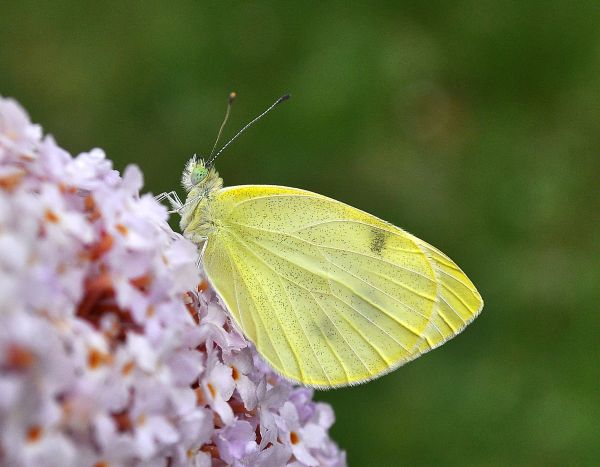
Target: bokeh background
<point>474,124</point>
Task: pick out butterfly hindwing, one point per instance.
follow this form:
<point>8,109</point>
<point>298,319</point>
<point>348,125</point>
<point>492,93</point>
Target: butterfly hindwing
<point>330,295</point>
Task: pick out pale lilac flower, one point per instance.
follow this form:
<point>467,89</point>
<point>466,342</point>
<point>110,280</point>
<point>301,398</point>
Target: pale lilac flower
<point>114,351</point>
<point>218,388</point>
<point>17,134</point>
<point>237,441</point>
<point>241,369</point>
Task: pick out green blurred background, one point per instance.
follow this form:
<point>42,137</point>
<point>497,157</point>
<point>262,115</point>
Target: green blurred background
<point>473,124</point>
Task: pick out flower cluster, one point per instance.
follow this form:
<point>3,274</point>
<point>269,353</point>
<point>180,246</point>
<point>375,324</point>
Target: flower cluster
<point>113,348</point>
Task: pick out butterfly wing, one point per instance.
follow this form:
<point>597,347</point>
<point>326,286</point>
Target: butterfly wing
<point>329,294</point>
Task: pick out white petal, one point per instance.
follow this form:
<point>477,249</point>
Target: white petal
<point>324,415</point>
<point>302,454</point>
<point>313,435</point>
<point>223,409</point>
<point>142,351</point>
<point>247,390</point>
<point>133,179</point>
<point>274,456</point>
<point>221,379</point>
<point>290,415</point>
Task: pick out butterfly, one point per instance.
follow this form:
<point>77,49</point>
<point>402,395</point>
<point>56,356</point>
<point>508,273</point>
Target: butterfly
<point>329,295</point>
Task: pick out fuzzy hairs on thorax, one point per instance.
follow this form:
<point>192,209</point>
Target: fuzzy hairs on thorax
<point>201,182</point>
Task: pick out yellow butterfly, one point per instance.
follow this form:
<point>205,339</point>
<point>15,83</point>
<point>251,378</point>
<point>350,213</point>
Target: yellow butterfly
<point>329,295</point>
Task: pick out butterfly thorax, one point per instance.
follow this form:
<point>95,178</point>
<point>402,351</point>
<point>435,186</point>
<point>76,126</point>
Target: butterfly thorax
<point>201,184</point>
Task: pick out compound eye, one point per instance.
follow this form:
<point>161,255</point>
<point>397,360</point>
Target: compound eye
<point>199,174</point>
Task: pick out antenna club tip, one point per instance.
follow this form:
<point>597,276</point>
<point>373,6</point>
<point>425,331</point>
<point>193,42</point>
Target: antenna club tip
<point>285,97</point>
<point>232,96</point>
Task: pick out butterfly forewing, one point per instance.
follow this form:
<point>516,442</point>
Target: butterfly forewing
<point>330,295</point>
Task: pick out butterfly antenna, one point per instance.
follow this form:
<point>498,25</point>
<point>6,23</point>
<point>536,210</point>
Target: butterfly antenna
<point>248,125</point>
<point>230,99</point>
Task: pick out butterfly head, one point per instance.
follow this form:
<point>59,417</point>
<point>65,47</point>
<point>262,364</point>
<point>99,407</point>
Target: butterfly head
<point>199,175</point>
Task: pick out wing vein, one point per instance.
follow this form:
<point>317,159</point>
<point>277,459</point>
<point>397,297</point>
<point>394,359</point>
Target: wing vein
<point>237,303</point>
<point>365,299</point>
<point>371,226</point>
<point>377,351</point>
<point>283,195</point>
<point>430,319</point>
<point>333,352</point>
<point>464,284</point>
<point>338,298</point>
<point>303,332</point>
<point>446,321</point>
<point>393,318</point>
<point>339,249</point>
<point>404,286</point>
<point>458,297</point>
<point>442,258</point>
<point>453,310</point>
<point>261,320</point>
<point>243,243</point>
<point>331,349</point>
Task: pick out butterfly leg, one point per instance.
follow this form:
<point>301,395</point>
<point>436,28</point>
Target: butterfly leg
<point>173,199</point>
<point>201,255</point>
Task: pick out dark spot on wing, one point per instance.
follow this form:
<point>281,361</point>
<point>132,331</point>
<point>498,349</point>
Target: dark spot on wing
<point>378,239</point>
